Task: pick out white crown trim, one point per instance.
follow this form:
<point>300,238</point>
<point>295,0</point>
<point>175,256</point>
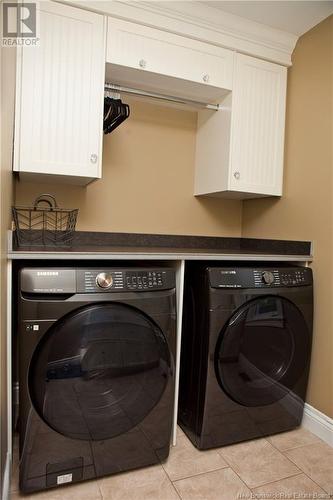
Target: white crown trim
<point>202,22</point>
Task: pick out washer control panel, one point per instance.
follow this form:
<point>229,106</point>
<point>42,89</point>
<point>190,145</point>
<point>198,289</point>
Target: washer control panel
<point>130,279</point>
<point>243,277</point>
<point>67,281</point>
<point>138,280</point>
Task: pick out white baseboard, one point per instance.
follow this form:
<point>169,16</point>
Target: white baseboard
<point>5,494</point>
<point>318,423</point>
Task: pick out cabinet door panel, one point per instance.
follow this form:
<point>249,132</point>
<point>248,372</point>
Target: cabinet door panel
<point>156,51</point>
<point>59,123</point>
<point>257,136</point>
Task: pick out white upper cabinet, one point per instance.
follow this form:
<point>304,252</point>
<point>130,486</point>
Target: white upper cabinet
<point>60,91</point>
<point>164,62</point>
<point>258,118</point>
<point>240,147</point>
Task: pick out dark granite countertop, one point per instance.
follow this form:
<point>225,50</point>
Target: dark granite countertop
<point>120,244</point>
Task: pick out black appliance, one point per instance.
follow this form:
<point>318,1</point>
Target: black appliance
<point>245,355</point>
<point>96,356</point>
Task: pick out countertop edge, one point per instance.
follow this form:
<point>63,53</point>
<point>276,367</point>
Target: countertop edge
<point>154,254</point>
<point>134,242</point>
<point>44,255</point>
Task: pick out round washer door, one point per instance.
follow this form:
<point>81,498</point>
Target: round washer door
<point>99,371</point>
<point>262,351</point>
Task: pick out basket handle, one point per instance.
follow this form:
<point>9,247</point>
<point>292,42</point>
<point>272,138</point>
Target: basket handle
<point>44,198</point>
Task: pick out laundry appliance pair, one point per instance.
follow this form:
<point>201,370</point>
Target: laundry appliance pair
<point>97,363</point>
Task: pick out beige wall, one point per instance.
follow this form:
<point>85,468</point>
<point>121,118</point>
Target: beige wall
<point>147,184</point>
<point>305,210</point>
<point>6,199</point>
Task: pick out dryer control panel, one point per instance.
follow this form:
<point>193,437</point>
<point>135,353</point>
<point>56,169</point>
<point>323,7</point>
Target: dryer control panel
<point>129,279</point>
<point>243,277</point>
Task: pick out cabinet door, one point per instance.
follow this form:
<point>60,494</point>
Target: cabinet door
<point>257,128</point>
<point>161,53</point>
<point>60,95</point>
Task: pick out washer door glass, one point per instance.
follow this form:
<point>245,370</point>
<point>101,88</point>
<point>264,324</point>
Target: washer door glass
<point>262,351</point>
<point>99,371</point>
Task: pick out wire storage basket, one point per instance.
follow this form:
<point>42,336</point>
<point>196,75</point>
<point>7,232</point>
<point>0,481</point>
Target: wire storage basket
<point>42,225</point>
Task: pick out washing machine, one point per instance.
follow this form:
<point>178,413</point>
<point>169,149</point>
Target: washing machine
<point>96,363</point>
<point>245,355</point>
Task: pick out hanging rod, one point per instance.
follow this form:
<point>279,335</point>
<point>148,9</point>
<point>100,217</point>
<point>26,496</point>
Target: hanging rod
<point>127,90</point>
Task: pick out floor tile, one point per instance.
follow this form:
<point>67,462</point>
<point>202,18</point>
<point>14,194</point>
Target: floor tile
<point>150,483</point>
<point>258,462</point>
<point>222,484</point>
<point>185,460</point>
<point>88,490</point>
<point>293,439</point>
<point>316,460</point>
<point>299,486</point>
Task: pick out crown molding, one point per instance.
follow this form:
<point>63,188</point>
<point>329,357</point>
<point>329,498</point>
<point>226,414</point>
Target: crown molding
<point>204,23</point>
<point>229,30</point>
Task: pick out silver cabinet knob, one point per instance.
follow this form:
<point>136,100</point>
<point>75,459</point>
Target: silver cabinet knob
<point>93,158</point>
<point>237,175</point>
<point>142,63</point>
<point>205,78</point>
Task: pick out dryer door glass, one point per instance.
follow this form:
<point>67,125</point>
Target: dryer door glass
<point>262,351</point>
<point>99,371</point>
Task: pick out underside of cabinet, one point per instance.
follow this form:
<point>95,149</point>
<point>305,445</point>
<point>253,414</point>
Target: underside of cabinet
<point>55,178</point>
<point>163,84</point>
<point>235,195</point>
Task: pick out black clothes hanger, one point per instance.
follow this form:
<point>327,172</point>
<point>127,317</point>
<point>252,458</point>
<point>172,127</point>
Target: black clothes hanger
<point>115,112</point>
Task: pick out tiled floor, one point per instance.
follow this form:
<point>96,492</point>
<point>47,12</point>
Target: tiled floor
<point>292,465</point>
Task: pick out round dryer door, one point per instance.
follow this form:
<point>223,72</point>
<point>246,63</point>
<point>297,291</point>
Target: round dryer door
<point>262,351</point>
<point>99,371</point>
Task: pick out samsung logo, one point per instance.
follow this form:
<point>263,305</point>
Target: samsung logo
<point>47,273</point>
<point>228,272</point>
